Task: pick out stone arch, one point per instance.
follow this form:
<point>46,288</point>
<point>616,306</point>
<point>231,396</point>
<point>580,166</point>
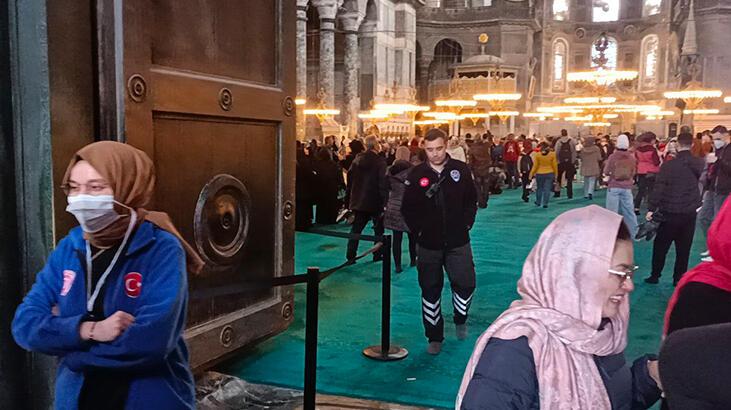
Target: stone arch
<point>447,52</point>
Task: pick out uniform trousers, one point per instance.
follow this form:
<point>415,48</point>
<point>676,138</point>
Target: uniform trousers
<point>460,268</point>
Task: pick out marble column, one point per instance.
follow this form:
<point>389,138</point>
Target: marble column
<point>351,100</point>
<point>301,64</point>
<point>327,11</point>
<point>423,86</point>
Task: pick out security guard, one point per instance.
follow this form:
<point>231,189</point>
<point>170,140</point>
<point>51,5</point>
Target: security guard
<point>439,205</point>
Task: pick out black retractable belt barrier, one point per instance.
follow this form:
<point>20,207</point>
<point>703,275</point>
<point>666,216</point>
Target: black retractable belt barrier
<point>312,278</point>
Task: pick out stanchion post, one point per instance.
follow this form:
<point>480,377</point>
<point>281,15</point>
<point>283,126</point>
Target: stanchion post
<point>313,292</point>
<point>386,296</point>
<point>385,351</point>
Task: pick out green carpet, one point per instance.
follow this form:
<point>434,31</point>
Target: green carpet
<point>350,312</point>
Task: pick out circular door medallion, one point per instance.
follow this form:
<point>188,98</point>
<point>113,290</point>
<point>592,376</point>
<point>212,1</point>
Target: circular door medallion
<point>222,220</point>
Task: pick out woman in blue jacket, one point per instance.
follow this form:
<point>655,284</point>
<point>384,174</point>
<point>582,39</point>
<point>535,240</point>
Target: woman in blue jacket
<point>561,345</point>
<point>111,300</point>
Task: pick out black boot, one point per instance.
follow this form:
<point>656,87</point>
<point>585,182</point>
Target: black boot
<point>652,280</point>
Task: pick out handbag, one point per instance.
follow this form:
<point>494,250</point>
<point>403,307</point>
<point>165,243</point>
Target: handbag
<point>532,185</point>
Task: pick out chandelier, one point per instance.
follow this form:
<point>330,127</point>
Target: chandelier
<point>322,112</point>
<point>602,76</point>
<point>694,96</point>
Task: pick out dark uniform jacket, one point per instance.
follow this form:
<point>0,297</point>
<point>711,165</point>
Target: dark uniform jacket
<point>444,220</point>
<point>505,378</point>
<point>367,188</point>
<point>676,186</point>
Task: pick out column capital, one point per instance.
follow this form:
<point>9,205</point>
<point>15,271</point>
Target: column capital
<point>351,21</point>
<point>327,9</point>
<point>302,4</point>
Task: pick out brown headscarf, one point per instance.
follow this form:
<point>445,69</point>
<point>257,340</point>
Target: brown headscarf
<point>131,174</point>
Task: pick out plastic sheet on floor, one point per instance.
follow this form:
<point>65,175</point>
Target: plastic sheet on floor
<point>219,391</point>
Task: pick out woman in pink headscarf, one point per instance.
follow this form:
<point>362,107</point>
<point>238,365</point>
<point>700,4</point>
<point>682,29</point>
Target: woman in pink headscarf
<point>561,345</point>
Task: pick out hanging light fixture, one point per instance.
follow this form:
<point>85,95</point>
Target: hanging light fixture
<point>702,111</point>
<point>321,113</point>
<point>497,97</point>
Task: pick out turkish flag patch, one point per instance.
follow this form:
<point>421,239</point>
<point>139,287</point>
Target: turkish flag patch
<point>68,281</point>
<point>133,284</point>
<point>424,182</point>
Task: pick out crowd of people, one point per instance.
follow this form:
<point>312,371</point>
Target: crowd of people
<point>559,346</point>
<point>568,331</point>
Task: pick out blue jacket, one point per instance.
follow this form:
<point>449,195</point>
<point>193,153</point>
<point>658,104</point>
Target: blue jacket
<point>152,349</point>
<point>505,378</point>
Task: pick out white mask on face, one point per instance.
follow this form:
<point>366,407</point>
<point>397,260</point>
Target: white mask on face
<point>94,212</point>
<point>719,144</point>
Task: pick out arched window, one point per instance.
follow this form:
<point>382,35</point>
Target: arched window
<point>649,62</point>
<point>651,7</point>
<point>561,10</point>
<point>447,52</point>
<point>605,10</point>
<point>558,74</point>
<point>610,54</point>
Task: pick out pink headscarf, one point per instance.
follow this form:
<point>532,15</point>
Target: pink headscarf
<point>560,311</point>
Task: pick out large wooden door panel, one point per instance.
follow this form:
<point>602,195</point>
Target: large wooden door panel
<point>209,97</point>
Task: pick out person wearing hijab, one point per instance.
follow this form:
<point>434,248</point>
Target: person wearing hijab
<point>397,174</point>
<point>111,301</point>
<point>455,150</point>
<point>560,346</point>
<point>703,295</point>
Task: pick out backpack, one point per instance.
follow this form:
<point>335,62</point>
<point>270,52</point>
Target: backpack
<point>564,153</point>
<point>624,169</point>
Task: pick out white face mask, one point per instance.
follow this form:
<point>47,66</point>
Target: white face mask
<point>719,144</point>
<point>94,212</point>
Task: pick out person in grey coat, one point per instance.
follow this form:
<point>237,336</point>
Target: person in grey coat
<point>591,157</point>
<point>393,219</point>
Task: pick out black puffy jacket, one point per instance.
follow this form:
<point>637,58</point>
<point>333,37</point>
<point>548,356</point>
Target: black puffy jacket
<point>721,178</point>
<point>505,379</point>
<point>367,188</point>
<point>676,185</point>
<point>397,174</point>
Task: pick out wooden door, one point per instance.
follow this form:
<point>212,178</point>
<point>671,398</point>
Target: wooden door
<point>209,96</point>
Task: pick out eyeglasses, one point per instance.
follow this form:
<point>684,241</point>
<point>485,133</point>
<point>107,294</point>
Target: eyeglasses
<point>628,273</point>
<point>92,188</point>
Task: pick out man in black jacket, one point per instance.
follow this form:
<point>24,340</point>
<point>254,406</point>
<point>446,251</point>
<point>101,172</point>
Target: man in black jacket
<point>439,206</point>
<point>720,170</point>
<point>480,161</point>
<point>676,196</point>
<point>367,190</point>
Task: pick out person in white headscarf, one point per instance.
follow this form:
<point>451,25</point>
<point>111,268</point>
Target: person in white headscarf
<point>560,346</point>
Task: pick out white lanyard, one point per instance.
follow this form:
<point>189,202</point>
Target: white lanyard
<point>91,298</point>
